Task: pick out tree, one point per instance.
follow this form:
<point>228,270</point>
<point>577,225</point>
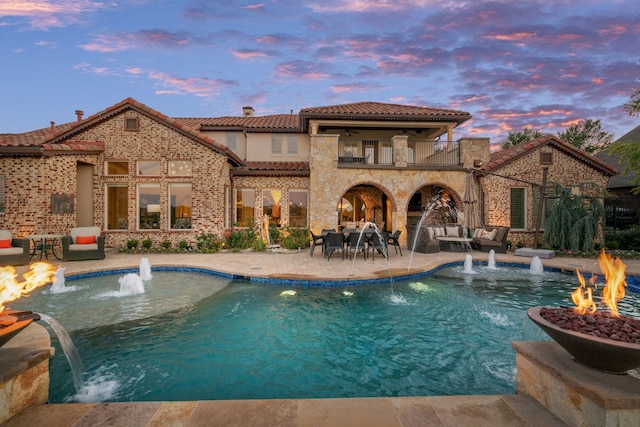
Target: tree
<point>633,106</point>
<point>573,221</point>
<point>517,138</point>
<point>587,135</point>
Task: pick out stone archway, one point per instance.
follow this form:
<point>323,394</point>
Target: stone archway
<point>367,201</point>
<point>439,200</point>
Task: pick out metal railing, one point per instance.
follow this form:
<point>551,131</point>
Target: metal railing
<point>381,152</point>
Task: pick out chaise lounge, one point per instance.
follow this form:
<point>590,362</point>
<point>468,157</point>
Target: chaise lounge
<point>83,243</point>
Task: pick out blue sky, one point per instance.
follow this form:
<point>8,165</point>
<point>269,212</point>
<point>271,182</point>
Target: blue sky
<point>544,64</point>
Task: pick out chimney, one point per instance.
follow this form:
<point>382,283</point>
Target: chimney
<point>79,114</point>
<point>53,125</point>
<point>247,111</point>
<point>292,112</point>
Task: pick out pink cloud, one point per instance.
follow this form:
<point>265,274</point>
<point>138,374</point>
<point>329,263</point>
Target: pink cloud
<point>45,14</point>
<point>125,41</point>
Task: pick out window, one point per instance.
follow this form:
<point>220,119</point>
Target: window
<point>245,203</point>
<point>149,167</point>
<point>180,209</point>
<point>292,145</point>
<point>117,207</point>
<point>226,207</point>
<point>546,158</point>
<point>131,124</point>
<point>117,168</point>
<point>352,208</point>
<point>518,212</point>
<point>230,140</point>
<point>276,145</point>
<point>180,167</point>
<point>148,206</point>
<point>2,192</point>
<point>271,206</point>
<point>386,153</point>
<point>298,208</point>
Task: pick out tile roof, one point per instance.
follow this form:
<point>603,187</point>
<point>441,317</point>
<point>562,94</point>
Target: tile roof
<point>382,110</point>
<point>60,138</point>
<point>501,158</point>
<point>620,180</point>
<point>273,168</point>
<point>272,123</point>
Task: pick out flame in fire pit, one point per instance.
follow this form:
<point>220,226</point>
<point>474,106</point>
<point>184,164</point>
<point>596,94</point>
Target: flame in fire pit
<point>40,274</point>
<point>615,278</point>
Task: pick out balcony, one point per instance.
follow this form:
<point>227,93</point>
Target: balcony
<point>375,153</point>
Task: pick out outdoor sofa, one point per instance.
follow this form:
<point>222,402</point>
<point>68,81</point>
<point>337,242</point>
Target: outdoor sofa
<point>83,243</point>
<point>490,237</point>
<point>13,251</point>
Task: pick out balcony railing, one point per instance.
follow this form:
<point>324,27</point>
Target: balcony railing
<point>381,152</point>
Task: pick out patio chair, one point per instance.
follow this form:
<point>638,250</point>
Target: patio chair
<point>393,241</point>
<point>316,240</point>
<point>378,243</point>
<point>333,241</point>
<point>356,242</point>
<point>13,251</point>
<point>83,243</point>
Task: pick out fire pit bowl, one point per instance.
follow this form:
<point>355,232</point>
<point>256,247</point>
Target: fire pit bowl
<point>13,321</point>
<point>603,354</point>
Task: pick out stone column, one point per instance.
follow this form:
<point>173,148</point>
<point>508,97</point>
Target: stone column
<point>323,178</point>
<point>400,154</point>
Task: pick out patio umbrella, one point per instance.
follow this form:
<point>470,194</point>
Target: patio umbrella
<point>471,208</point>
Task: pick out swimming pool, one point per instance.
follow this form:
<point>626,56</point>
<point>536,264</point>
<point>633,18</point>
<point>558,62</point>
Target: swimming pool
<point>448,333</point>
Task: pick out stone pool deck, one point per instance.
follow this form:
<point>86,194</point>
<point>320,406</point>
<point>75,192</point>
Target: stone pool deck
<point>492,411</point>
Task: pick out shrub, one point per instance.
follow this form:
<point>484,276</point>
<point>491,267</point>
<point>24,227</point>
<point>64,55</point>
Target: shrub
<point>208,243</point>
<point>295,238</point>
<point>240,238</point>
<point>132,244</point>
<point>183,245</point>
<point>259,245</point>
<point>628,239</point>
<point>166,244</point>
<point>147,243</point>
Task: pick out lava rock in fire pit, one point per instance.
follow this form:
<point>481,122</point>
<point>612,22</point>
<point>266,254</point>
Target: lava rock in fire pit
<point>599,324</point>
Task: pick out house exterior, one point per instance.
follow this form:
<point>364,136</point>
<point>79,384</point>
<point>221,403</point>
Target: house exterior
<point>512,180</point>
<point>139,174</point>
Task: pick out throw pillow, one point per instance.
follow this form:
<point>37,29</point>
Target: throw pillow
<point>492,235</point>
<point>84,240</point>
<point>477,233</point>
<point>438,231</point>
<point>452,232</point>
<point>5,244</point>
<point>485,235</point>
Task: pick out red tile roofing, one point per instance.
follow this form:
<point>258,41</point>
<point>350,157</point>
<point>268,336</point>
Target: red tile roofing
<point>272,123</point>
<point>501,158</point>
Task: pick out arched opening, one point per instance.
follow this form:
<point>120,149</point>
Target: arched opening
<point>365,203</point>
<point>436,201</point>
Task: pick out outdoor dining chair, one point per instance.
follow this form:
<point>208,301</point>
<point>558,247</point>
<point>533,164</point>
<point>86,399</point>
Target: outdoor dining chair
<point>378,243</point>
<point>316,240</point>
<point>356,242</point>
<point>393,240</point>
<point>333,241</point>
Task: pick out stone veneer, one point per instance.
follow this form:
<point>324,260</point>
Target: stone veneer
<point>24,372</point>
<point>328,183</point>
<point>565,170</point>
<point>578,395</point>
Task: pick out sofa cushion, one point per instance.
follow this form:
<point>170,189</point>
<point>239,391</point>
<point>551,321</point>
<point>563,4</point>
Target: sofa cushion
<point>492,235</point>
<point>5,243</point>
<point>11,251</point>
<point>500,234</point>
<point>452,231</point>
<point>5,234</point>
<point>83,247</point>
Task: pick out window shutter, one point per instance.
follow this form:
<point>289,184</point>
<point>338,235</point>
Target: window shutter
<point>517,208</point>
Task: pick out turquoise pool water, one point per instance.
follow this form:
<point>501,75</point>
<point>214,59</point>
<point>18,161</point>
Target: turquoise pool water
<point>448,333</point>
